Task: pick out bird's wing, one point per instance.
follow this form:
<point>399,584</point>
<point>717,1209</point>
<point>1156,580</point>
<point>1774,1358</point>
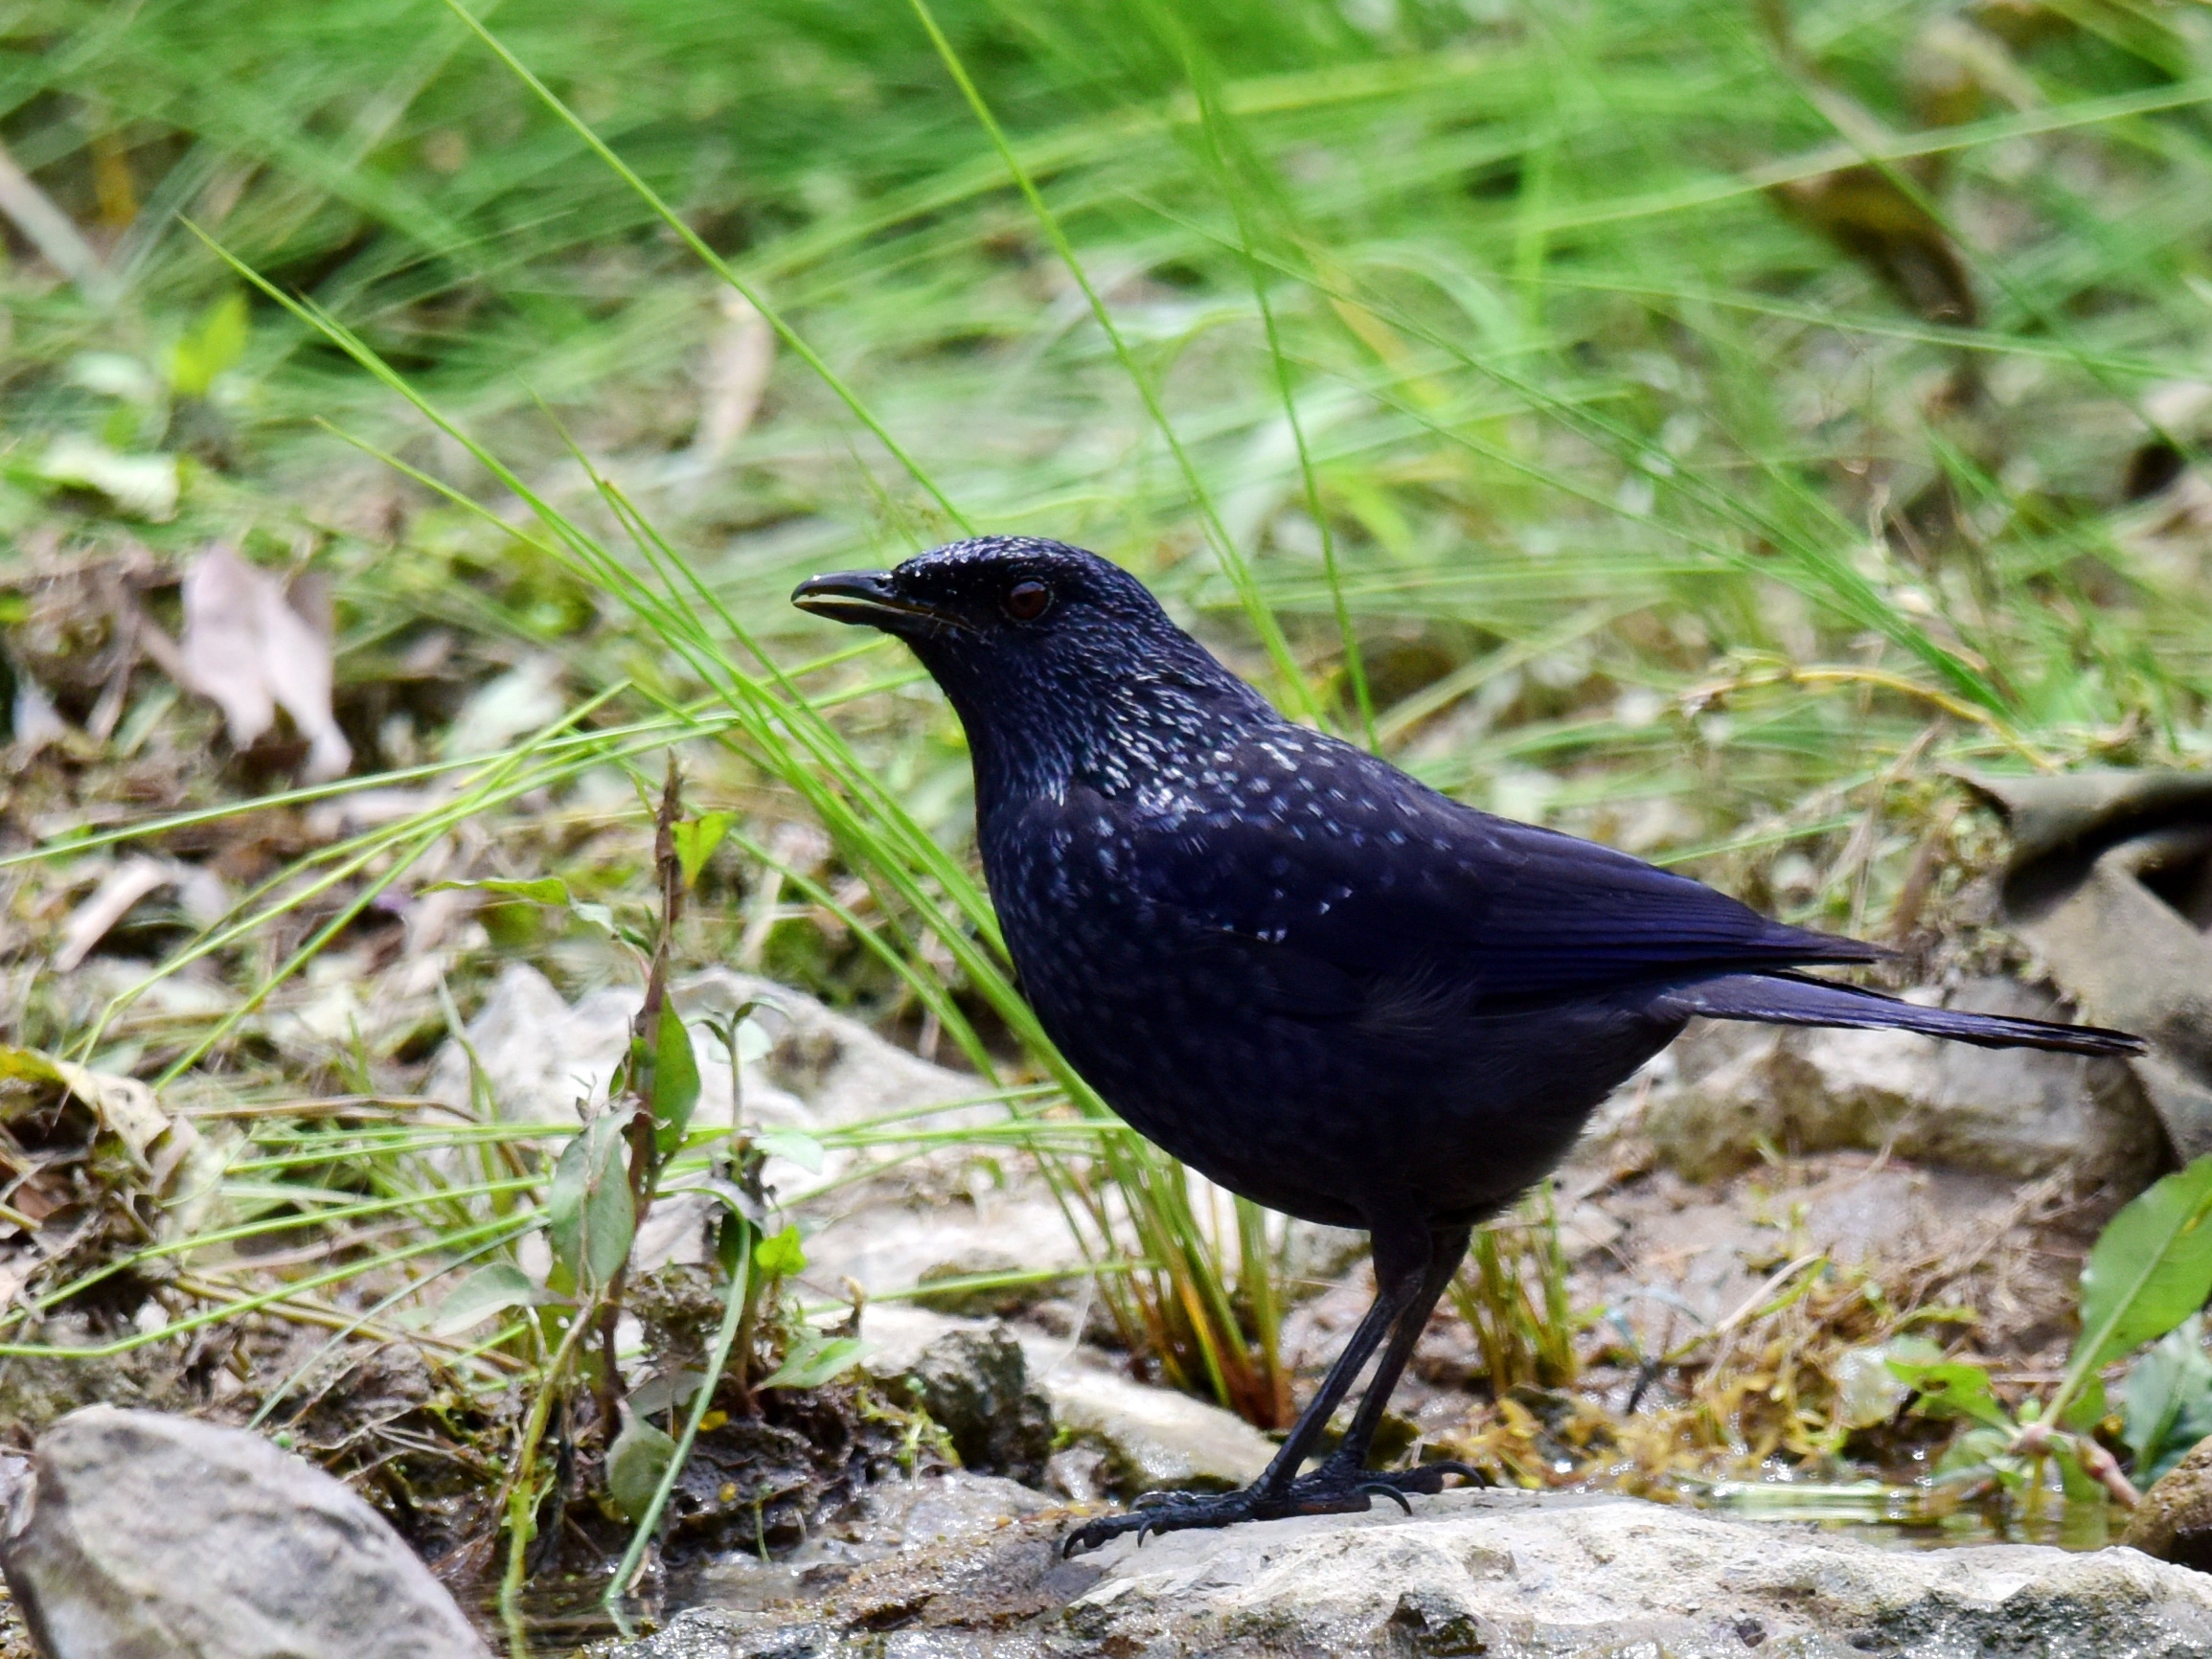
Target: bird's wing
<point>1355,876</point>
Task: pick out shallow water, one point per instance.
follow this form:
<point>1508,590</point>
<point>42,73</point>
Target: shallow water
<point>1916,1517</point>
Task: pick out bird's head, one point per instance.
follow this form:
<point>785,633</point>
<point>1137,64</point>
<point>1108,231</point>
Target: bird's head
<point>998,596</point>
<point>1053,657</point>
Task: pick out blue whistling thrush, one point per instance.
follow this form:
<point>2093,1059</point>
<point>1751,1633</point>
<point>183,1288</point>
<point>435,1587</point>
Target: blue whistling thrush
<point>1314,980</point>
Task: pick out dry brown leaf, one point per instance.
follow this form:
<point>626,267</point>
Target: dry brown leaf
<point>249,652</point>
<point>37,722</point>
<point>738,369</point>
<point>1865,212</point>
<point>89,923</point>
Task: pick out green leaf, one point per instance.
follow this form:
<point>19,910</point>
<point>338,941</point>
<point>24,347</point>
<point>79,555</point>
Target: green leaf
<point>1979,1454</point>
<point>676,1081</point>
<point>214,344</point>
<point>1953,1388</point>
<point>802,1149</point>
<point>2079,1484</point>
<point>812,1359</point>
<point>486,1291</point>
<point>589,1214</point>
<point>729,1234</point>
<point>781,1257</point>
<point>2149,1270</point>
<point>635,1464</point>
<point>540,890</point>
<point>2167,1401</point>
<point>2088,1408</point>
<point>28,1065</point>
<point>696,839</point>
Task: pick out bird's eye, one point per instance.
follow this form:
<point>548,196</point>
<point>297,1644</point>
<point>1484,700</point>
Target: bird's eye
<point>1026,601</point>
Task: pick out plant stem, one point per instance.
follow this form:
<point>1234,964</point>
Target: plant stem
<point>521,1504</point>
<point>735,1306</point>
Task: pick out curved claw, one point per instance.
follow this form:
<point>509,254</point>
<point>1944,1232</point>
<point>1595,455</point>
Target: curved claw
<point>1161,1512</point>
<point>1338,1490</point>
<point>1467,1472</point>
<point>1096,1534</point>
<point>1387,1491</point>
<point>1427,1479</point>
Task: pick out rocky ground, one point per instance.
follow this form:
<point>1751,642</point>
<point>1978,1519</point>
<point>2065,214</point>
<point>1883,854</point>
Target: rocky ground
<point>1742,1226</point>
<point>137,1533</point>
<point>1478,1573</point>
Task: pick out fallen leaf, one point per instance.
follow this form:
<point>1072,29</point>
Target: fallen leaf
<point>520,701</point>
<point>144,485</point>
<point>37,722</point>
<point>247,651</point>
<point>222,645</point>
<point>1867,215</point>
<point>738,368</point>
<point>635,1465</point>
<point>71,1120</point>
<point>111,901</point>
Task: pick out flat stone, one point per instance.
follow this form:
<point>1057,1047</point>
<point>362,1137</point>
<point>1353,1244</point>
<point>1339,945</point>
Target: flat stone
<point>908,1515</point>
<point>140,1535</point>
<point>2018,1113</point>
<point>545,1059</point>
<point>1154,1439</point>
<point>1508,1575</point>
<point>890,1241</point>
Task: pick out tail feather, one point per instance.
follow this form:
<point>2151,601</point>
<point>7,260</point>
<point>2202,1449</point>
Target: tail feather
<point>1790,999</point>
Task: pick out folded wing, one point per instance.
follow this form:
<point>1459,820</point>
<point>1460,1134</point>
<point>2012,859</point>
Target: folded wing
<point>1365,879</point>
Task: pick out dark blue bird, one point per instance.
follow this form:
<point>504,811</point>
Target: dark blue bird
<point>1314,980</point>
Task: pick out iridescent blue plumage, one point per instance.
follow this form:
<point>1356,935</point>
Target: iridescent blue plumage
<point>1305,973</point>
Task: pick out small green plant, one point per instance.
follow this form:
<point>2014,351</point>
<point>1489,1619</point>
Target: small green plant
<point>605,1181</point>
<point>2146,1280</point>
<point>1202,1297</point>
<point>1513,1293</point>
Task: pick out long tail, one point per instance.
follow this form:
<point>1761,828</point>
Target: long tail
<point>1788,999</point>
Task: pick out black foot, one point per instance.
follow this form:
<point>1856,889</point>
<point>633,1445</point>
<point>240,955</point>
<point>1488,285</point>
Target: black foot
<point>1329,1490</point>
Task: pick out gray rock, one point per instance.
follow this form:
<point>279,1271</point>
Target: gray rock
<point>1152,1437</point>
<point>2021,1113</point>
<point>976,1385</point>
<point>147,1536</point>
<point>2174,1521</point>
<point>544,1059</point>
<point>842,1070</point>
<point>542,1056</point>
<point>1515,1575</point>
<point>892,1241</point>
<point>934,1508</point>
<point>1314,1254</point>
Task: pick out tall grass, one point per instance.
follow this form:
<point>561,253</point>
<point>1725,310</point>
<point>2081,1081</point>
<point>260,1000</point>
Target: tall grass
<point>1469,373</point>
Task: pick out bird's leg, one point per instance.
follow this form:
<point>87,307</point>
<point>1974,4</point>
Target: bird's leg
<point>1411,1269</point>
<point>1345,1469</point>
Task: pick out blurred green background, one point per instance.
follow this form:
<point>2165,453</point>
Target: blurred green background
<point>1639,354</point>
